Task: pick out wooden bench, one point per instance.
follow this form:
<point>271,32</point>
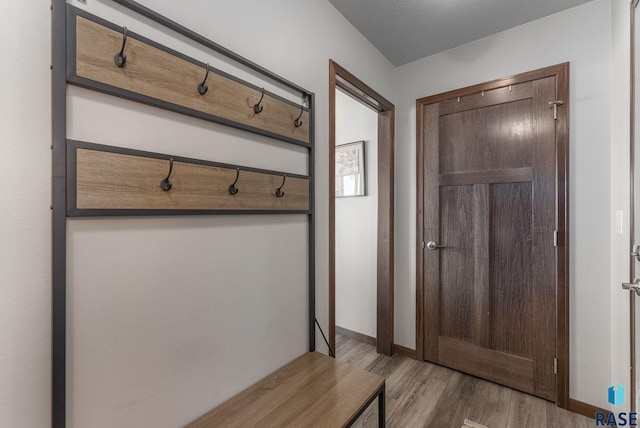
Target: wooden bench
<point>312,390</point>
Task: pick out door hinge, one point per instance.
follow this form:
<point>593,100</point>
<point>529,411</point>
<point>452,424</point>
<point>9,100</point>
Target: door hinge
<point>555,366</point>
<point>555,105</point>
<point>555,238</point>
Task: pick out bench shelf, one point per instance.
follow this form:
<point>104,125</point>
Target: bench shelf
<point>312,390</point>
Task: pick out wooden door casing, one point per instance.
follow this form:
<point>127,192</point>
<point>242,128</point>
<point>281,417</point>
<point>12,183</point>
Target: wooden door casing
<point>340,78</point>
<point>489,170</point>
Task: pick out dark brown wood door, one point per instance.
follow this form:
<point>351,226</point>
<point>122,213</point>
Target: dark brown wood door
<point>490,206</point>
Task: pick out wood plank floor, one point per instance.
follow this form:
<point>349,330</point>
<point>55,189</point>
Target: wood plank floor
<point>420,394</point>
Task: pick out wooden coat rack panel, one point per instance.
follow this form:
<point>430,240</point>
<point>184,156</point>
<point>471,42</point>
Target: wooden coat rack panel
<point>106,180</point>
<point>159,76</point>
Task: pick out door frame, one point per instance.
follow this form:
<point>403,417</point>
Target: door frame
<point>561,73</point>
<point>340,78</point>
<point>632,211</point>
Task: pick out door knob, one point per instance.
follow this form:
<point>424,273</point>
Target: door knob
<point>432,245</point>
<point>635,286</point>
<point>636,252</point>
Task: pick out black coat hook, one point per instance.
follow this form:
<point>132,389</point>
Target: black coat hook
<point>233,190</point>
<point>203,88</point>
<point>257,108</point>
<point>279,191</point>
<point>166,183</point>
<point>120,58</point>
<point>298,123</point>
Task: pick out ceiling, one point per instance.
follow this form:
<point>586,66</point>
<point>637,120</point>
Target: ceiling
<point>406,30</point>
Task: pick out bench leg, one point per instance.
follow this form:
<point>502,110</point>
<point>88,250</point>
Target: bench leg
<point>381,408</point>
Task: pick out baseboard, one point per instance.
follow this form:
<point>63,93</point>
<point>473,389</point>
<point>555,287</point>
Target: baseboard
<point>585,409</point>
<point>405,352</point>
<point>356,336</point>
<point>397,349</point>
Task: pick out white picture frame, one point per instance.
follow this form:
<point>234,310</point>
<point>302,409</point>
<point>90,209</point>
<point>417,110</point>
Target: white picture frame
<point>351,177</point>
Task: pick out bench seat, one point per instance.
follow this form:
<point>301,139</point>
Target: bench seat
<point>312,390</point>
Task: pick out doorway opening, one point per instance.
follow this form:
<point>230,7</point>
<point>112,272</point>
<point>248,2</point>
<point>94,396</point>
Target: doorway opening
<point>340,78</point>
<point>356,218</point>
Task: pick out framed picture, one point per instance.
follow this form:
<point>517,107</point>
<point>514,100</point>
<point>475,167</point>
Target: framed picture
<point>351,176</point>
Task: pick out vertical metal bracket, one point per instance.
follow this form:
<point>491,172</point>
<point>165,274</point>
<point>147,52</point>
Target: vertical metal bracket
<point>58,214</point>
<point>555,238</point>
<point>555,105</point>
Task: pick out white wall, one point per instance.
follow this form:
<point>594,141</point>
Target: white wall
<point>581,35</point>
<point>212,323</point>
<point>357,224</point>
<point>620,90</point>
<point>25,171</point>
<point>312,33</point>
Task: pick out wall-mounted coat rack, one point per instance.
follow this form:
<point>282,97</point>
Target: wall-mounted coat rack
<point>105,181</point>
<point>117,61</point>
<point>95,180</point>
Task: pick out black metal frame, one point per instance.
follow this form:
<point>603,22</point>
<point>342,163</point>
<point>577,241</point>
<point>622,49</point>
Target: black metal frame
<point>83,82</point>
<point>59,220</point>
<point>380,395</point>
<point>61,46</point>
